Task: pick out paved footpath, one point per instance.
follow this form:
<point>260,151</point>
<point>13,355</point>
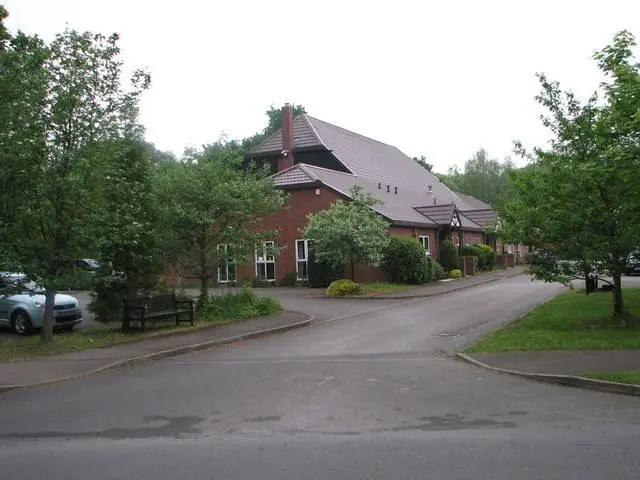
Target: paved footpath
<point>52,368</point>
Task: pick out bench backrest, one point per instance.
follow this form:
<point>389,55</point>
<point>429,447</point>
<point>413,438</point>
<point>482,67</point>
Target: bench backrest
<point>153,303</point>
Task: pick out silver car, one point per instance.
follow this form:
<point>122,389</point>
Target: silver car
<point>24,312</point>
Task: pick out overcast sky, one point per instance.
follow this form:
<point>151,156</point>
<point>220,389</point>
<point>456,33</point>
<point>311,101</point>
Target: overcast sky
<point>434,78</point>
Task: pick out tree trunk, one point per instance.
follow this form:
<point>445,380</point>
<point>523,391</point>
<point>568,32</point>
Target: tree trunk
<point>46,334</point>
<point>204,277</point>
<point>204,289</point>
<point>618,303</point>
<point>353,270</point>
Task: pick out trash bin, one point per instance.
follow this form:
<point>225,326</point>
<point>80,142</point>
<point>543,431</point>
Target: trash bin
<point>591,283</point>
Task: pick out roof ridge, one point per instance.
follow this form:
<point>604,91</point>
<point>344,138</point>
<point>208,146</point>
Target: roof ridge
<point>352,132</point>
<point>303,167</point>
<point>315,132</point>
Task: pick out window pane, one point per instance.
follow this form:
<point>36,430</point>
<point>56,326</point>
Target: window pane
<point>301,249</point>
<point>271,271</point>
<point>261,272</point>
<point>222,274</point>
<point>231,269</point>
<point>303,273</point>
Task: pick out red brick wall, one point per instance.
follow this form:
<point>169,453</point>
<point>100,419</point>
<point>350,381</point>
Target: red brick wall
<point>288,222</point>
<point>417,232</point>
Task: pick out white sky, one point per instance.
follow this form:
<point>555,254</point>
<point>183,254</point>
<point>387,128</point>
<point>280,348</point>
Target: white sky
<point>438,78</point>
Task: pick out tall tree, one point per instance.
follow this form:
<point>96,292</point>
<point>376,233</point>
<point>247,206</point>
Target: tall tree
<point>128,240</point>
<point>68,97</point>
<point>482,177</point>
<point>207,201</point>
<point>348,232</point>
<point>274,123</point>
<point>4,33</point>
<point>579,198</point>
<point>422,161</point>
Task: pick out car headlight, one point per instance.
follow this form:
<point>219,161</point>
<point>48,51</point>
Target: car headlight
<point>39,305</point>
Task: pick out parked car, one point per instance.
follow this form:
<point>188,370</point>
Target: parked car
<point>24,311</point>
<point>632,266</point>
<point>88,264</point>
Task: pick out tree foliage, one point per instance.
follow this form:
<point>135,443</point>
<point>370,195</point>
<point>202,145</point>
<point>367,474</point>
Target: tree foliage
<point>422,161</point>
<point>128,243</point>
<point>482,177</point>
<point>579,199</point>
<point>208,201</point>
<point>449,255</point>
<point>4,33</point>
<point>348,231</point>
<point>59,101</point>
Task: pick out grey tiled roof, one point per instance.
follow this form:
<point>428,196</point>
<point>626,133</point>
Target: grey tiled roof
<point>304,136</point>
<point>371,163</point>
<point>396,207</point>
<point>473,202</point>
<point>296,175</point>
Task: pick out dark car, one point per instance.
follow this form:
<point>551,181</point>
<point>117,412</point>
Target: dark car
<point>632,266</point>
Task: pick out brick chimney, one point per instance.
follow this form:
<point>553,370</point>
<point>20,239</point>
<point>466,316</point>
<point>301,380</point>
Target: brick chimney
<point>286,157</point>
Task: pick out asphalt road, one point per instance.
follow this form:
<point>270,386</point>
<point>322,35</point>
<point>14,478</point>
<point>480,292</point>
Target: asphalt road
<point>373,395</point>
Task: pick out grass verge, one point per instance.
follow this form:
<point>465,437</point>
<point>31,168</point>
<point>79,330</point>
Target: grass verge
<point>621,377</point>
<point>571,321</point>
<point>220,310</point>
<point>379,288</point>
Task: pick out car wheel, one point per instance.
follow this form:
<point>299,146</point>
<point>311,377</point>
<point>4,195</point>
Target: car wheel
<point>21,323</point>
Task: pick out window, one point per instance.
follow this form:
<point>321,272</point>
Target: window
<point>266,261</point>
<point>226,264</point>
<point>302,259</point>
<point>424,240</point>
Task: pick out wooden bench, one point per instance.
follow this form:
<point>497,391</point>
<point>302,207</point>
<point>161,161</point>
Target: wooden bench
<point>152,308</point>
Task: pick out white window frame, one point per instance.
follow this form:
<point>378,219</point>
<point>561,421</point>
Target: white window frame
<point>300,275</point>
<point>263,257</point>
<point>225,247</point>
<point>424,240</point>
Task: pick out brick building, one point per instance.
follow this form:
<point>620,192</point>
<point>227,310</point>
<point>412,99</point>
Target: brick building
<point>317,163</point>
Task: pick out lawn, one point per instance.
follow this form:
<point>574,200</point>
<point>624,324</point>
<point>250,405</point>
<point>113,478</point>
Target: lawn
<point>632,376</point>
<point>571,321</point>
<point>380,288</point>
<point>222,309</point>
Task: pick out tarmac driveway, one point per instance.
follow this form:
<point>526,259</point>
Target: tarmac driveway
<point>373,395</point>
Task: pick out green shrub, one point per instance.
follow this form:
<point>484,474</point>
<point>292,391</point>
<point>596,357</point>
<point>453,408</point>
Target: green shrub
<point>288,280</point>
<point>404,261</point>
<point>321,274</point>
<point>243,304</point>
<point>486,256</point>
<point>455,273</point>
<point>340,288</point>
<point>487,259</point>
<point>468,251</point>
<point>437,272</point>
<point>449,255</point>
<point>259,283</point>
